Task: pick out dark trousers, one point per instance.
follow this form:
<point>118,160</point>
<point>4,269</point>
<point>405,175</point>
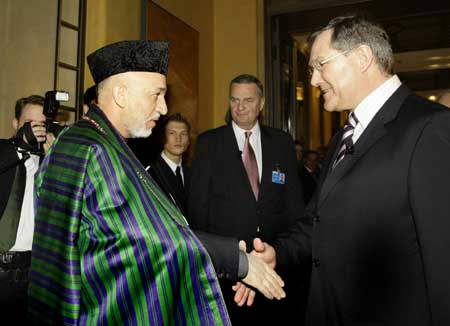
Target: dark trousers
<point>14,267</point>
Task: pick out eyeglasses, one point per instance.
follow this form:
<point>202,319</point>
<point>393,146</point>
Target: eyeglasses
<point>318,65</point>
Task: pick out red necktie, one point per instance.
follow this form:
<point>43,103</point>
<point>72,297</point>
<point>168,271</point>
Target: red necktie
<point>250,165</point>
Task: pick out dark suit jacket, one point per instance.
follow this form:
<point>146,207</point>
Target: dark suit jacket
<point>221,200</point>
<point>381,235</point>
<point>308,182</point>
<point>8,163</point>
<point>167,180</point>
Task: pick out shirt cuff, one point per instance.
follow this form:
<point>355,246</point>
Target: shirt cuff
<point>243,265</point>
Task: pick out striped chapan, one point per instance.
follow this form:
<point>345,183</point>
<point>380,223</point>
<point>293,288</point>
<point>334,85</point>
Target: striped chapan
<point>109,248</point>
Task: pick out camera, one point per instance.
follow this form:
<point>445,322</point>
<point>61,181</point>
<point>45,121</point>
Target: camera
<point>51,106</point>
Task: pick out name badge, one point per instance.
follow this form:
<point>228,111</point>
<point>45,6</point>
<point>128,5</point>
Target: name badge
<point>278,177</point>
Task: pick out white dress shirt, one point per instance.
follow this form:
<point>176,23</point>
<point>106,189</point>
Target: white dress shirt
<point>24,238</point>
<point>255,141</point>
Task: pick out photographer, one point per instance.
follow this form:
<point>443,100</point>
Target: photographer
<point>19,161</point>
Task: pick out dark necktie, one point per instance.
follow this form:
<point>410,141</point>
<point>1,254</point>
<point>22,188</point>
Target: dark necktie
<point>346,145</point>
<point>179,177</point>
<point>250,165</point>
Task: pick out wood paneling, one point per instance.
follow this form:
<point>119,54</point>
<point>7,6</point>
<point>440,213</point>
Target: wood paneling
<point>182,78</point>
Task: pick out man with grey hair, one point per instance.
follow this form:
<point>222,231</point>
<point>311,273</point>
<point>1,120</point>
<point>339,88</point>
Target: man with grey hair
<point>381,234</point>
<point>244,183</point>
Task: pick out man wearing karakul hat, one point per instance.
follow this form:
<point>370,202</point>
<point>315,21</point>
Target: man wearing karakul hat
<point>109,247</point>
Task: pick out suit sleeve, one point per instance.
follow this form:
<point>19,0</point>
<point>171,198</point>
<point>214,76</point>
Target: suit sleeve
<point>294,194</point>
<point>201,174</point>
<point>428,184</point>
<point>224,253</point>
<point>294,246</point>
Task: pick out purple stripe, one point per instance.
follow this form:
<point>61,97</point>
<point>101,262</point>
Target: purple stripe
<point>97,285</point>
<point>52,186</point>
<point>114,190</point>
<point>114,255</point>
<point>140,247</point>
<point>51,285</point>
<point>40,314</point>
<point>111,252</point>
<point>162,233</point>
<point>172,263</point>
<point>54,232</point>
<point>65,265</point>
<point>53,205</point>
<point>45,224</point>
<point>69,162</point>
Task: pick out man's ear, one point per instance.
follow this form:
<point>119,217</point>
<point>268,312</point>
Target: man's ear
<point>15,124</point>
<point>365,57</point>
<point>261,105</point>
<point>120,95</point>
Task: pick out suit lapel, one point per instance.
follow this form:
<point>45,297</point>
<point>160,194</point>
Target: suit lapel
<point>268,161</point>
<point>373,132</point>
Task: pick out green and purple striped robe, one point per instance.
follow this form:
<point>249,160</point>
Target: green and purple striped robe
<point>109,248</point>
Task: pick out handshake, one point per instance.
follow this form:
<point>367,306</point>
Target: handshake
<point>261,275</point>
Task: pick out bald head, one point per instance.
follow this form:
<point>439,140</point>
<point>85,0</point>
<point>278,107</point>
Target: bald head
<point>444,99</point>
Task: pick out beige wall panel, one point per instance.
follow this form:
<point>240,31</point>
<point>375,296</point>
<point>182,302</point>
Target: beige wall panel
<point>28,39</point>
<point>236,47</point>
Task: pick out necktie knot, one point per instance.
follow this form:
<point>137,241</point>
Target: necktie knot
<point>248,134</point>
<point>352,121</point>
<point>346,145</point>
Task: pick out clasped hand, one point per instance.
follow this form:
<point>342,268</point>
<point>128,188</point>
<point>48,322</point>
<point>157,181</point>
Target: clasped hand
<point>261,275</point>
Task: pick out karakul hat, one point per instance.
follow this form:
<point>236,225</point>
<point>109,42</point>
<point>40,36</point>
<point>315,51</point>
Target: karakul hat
<point>124,56</point>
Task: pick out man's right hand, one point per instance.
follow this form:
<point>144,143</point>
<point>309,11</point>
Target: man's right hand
<point>262,277</point>
<point>264,251</point>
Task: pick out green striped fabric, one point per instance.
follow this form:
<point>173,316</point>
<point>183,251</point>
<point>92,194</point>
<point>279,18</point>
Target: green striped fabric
<point>109,247</point>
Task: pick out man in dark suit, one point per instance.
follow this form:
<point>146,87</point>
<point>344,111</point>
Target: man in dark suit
<point>244,183</point>
<point>19,161</point>
<point>168,169</point>
<point>172,175</point>
<point>381,235</point>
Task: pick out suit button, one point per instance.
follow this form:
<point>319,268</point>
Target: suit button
<point>316,262</point>
<point>316,219</point>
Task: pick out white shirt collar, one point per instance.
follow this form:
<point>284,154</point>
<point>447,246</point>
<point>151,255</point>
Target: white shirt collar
<point>369,107</point>
<point>240,133</point>
<point>366,110</point>
<point>170,163</point>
